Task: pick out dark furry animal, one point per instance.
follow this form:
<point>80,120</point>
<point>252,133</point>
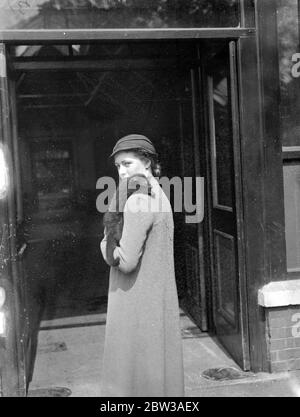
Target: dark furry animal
<point>113,218</point>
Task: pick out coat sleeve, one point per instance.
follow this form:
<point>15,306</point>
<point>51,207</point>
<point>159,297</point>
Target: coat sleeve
<point>138,219</point>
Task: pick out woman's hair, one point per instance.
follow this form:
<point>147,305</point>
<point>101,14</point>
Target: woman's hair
<point>155,164</point>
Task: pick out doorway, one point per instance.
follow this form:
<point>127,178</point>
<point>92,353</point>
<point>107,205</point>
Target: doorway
<point>72,103</point>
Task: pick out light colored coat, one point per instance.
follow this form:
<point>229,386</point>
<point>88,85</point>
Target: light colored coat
<point>143,348</point>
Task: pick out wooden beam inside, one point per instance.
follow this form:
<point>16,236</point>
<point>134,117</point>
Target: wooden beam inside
<point>48,95</point>
<point>50,106</point>
<point>94,65</point>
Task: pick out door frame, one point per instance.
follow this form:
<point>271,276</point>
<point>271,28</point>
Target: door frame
<point>95,35</point>
<point>252,135</point>
<point>13,374</point>
<point>238,209</point>
<point>250,99</point>
<point>264,222</point>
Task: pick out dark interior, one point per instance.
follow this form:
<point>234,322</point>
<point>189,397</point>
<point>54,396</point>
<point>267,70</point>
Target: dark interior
<point>68,122</point>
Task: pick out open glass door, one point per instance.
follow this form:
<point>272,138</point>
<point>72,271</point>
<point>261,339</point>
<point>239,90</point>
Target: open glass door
<point>226,213</point>
<point>192,227</point>
<point>13,340</point>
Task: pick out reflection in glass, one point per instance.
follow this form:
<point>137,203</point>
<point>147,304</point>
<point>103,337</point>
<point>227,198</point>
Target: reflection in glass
<point>221,141</point>
<point>225,271</point>
<point>89,14</point>
<point>53,176</point>
<point>288,45</point>
<point>291,173</point>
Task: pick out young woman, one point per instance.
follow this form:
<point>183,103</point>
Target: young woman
<point>143,348</point>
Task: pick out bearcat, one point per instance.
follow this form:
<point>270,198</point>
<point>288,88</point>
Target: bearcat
<point>113,218</point>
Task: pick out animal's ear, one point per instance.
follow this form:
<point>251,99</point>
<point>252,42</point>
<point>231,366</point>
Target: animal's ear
<point>139,183</point>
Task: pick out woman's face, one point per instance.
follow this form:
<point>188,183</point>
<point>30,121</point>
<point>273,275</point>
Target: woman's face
<point>128,164</point>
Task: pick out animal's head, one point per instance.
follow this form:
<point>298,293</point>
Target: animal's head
<point>138,183</point>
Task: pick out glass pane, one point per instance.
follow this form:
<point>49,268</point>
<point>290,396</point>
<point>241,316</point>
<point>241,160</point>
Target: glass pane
<point>226,294</point>
<point>92,14</point>
<point>53,175</point>
<point>288,47</point>
<point>291,174</point>
<point>187,137</point>
<point>221,137</point>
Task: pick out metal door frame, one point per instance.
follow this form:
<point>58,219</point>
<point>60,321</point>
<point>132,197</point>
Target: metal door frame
<point>11,347</point>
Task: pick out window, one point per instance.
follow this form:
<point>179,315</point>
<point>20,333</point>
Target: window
<point>113,14</point>
<point>289,71</point>
<point>291,175</point>
<point>288,47</point>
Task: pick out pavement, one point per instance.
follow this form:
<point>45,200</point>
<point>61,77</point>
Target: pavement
<point>69,354</point>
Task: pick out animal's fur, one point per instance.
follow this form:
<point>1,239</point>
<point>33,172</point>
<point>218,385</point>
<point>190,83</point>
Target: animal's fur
<point>113,218</point>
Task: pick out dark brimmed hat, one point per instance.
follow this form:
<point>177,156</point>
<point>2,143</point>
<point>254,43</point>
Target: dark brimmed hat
<point>134,141</point>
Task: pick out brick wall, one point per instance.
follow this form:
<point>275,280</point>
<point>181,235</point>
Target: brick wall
<point>283,337</point>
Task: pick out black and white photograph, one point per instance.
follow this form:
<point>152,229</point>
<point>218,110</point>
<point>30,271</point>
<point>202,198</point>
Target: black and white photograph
<point>149,201</point>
